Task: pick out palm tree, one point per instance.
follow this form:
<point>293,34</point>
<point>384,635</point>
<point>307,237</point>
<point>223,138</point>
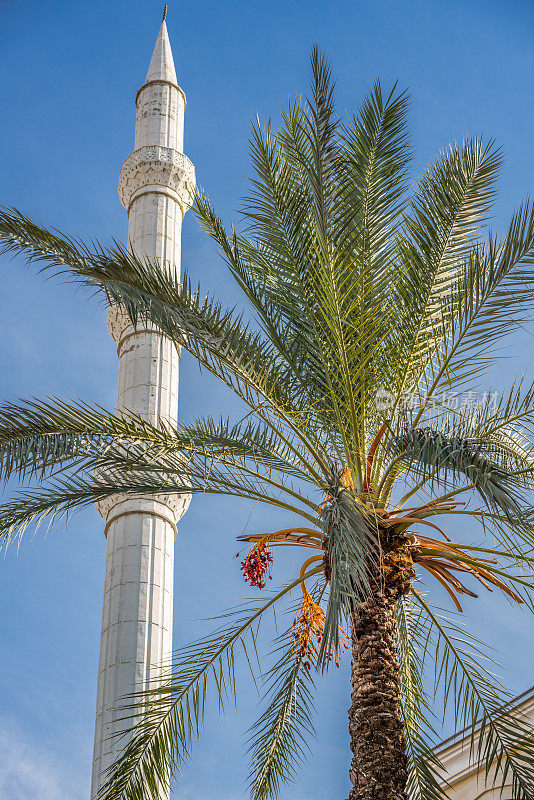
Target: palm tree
<point>372,308</point>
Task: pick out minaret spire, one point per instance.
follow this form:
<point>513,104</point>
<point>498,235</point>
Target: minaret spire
<point>162,63</point>
<point>155,186</point>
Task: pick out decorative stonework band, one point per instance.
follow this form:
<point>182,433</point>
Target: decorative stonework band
<point>170,507</point>
<point>121,329</point>
<point>155,166</point>
<point>120,325</point>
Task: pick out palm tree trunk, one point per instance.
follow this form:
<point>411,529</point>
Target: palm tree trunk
<point>379,764</point>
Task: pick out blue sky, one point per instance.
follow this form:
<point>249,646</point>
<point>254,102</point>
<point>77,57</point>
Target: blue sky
<point>69,76</point>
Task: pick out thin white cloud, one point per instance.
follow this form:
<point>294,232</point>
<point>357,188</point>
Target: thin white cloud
<point>28,771</point>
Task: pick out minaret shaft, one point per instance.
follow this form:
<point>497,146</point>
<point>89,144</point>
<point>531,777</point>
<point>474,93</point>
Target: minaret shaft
<point>155,187</point>
<point>160,115</point>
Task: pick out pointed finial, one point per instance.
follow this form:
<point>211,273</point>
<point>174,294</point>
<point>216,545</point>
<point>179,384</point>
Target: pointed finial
<point>161,64</point>
<point>164,12</point>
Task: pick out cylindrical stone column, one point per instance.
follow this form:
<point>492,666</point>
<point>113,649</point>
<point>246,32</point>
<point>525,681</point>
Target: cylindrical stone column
<point>155,187</point>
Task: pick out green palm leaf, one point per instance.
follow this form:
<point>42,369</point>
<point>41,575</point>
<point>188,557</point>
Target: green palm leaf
<point>170,717</point>
<point>434,456</point>
<point>279,739</point>
<point>442,228</point>
<point>426,773</point>
<point>500,739</point>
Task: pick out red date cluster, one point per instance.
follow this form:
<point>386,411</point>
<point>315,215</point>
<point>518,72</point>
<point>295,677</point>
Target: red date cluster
<point>256,564</point>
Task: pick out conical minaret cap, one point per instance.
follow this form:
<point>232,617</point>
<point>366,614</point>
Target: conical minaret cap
<point>162,63</point>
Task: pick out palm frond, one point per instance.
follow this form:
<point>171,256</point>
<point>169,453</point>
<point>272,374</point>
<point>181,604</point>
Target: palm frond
<point>425,771</point>
<point>278,741</point>
<point>432,455</point>
<point>353,552</point>
<point>492,298</point>
<point>169,718</point>
<point>38,436</point>
<point>216,337</point>
<point>373,168</point>
<point>500,739</point>
<point>117,473</point>
<point>443,226</point>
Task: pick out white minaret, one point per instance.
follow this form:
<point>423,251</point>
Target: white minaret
<point>155,187</point>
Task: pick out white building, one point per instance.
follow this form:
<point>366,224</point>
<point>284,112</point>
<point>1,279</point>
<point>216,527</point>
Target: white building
<point>467,780</point>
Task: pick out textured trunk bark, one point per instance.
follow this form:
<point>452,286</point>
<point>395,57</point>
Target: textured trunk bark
<point>379,764</point>
<point>378,768</point>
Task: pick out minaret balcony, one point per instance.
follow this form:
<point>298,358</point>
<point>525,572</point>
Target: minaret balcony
<point>157,169</point>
